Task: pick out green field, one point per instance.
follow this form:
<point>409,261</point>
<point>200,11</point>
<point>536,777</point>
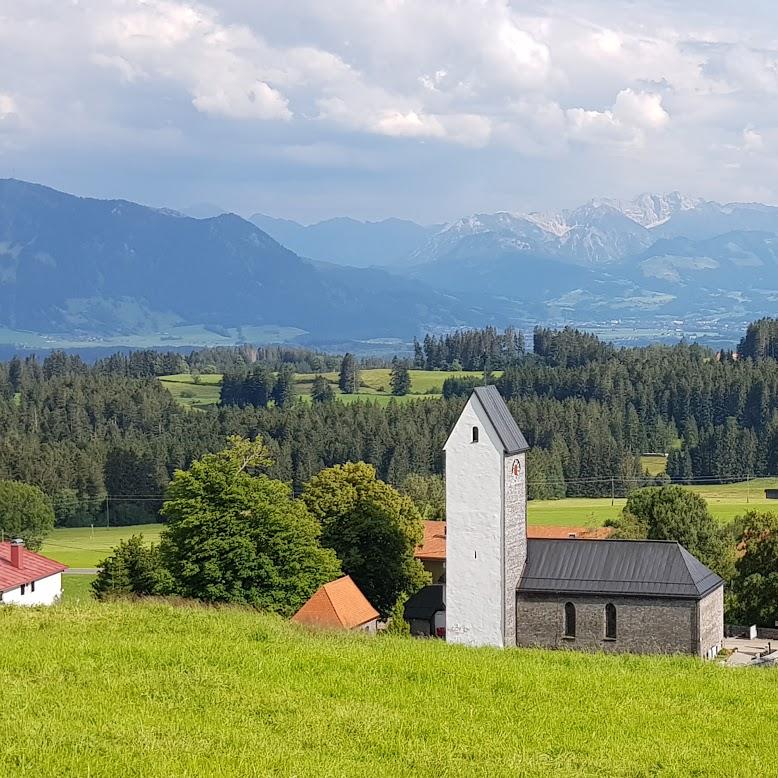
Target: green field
<point>653,464</point>
<point>724,501</point>
<point>85,547</point>
<point>153,690</point>
<point>375,386</point>
<point>76,588</point>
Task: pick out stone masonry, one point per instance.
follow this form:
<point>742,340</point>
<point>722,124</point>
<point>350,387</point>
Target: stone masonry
<point>645,625</point>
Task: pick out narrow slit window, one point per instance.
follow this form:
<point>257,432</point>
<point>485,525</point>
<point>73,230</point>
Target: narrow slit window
<point>610,621</point>
<point>475,434</point>
<point>23,587</point>
<point>569,620</point>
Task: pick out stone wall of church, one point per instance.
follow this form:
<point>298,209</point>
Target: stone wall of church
<point>515,535</point>
<point>711,622</point>
<point>644,625</point>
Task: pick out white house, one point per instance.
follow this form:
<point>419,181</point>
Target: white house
<point>27,578</point>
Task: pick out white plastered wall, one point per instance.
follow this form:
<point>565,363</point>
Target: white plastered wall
<point>47,591</point>
<point>475,586</point>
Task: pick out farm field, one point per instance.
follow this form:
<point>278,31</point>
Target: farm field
<point>424,384</point>
<point>174,690</point>
<point>85,547</point>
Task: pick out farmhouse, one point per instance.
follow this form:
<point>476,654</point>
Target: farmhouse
<point>505,589</point>
<point>338,604</point>
<point>27,578</point>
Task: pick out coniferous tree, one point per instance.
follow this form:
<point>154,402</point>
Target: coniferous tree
<point>284,391</point>
<point>349,375</point>
<point>400,379</point>
<point>321,391</point>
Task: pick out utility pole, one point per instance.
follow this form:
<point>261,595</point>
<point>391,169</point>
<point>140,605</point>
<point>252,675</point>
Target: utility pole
<point>107,515</point>
<point>613,491</point>
<point>748,488</point>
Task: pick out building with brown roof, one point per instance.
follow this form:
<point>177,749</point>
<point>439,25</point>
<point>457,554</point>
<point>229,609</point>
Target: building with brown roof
<point>432,550</point>
<point>338,604</point>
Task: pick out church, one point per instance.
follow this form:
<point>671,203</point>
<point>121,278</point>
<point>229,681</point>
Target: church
<point>502,589</point>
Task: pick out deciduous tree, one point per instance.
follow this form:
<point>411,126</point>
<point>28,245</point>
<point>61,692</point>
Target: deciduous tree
<point>235,535</point>
<point>373,529</point>
<point>25,512</point>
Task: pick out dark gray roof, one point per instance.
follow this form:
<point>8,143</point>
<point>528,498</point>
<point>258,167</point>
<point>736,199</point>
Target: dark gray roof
<point>425,603</point>
<point>508,431</point>
<point>656,568</point>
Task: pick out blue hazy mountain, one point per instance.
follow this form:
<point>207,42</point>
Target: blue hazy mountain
<point>348,241</point>
<point>106,267</point>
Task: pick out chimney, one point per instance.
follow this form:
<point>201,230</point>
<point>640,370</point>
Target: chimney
<point>17,553</point>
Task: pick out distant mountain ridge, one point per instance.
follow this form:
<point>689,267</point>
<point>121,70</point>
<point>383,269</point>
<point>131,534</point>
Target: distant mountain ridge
<point>347,241</point>
<point>99,267</point>
<point>96,269</point>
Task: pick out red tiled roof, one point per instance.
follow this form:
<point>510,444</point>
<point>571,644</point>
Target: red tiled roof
<point>434,544</point>
<point>433,547</point>
<point>338,604</point>
<point>34,567</point>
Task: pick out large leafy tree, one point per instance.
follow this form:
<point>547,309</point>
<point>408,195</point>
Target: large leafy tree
<point>754,592</point>
<point>676,513</point>
<point>428,493</point>
<point>25,512</point>
<point>373,529</point>
<point>235,535</point>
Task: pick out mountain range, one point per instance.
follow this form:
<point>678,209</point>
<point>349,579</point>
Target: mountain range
<point>98,269</point>
<point>106,268</point>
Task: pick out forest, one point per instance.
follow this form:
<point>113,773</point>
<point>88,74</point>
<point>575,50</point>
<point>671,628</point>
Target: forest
<point>103,440</point>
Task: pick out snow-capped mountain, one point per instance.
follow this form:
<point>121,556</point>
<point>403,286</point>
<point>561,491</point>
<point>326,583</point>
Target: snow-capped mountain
<point>601,231</point>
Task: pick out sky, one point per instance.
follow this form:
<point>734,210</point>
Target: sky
<point>422,109</point>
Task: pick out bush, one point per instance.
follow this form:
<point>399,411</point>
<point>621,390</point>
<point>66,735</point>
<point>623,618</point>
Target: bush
<point>132,569</point>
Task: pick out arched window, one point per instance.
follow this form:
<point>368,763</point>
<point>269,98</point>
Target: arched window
<point>610,621</point>
<point>475,434</point>
<point>569,620</point>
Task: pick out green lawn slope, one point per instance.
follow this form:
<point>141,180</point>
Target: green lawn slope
<point>154,690</point>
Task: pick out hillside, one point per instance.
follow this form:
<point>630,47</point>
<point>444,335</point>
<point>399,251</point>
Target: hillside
<point>157,690</point>
<point>99,268</point>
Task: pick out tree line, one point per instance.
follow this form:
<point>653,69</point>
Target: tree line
<point>87,433</point>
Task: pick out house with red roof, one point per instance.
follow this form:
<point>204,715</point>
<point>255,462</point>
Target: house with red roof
<point>27,578</point>
<point>338,604</point>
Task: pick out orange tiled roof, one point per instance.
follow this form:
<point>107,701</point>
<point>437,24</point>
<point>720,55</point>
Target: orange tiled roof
<point>434,544</point>
<point>591,533</point>
<point>338,604</point>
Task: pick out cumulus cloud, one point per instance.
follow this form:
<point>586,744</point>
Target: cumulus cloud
<point>501,84</point>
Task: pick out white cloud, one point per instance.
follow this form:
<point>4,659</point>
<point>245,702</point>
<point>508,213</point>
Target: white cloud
<point>494,85</point>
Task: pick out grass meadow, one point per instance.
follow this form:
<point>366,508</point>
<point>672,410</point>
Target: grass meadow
<point>375,386</point>
<point>76,588</point>
<point>153,690</point>
<point>87,547</point>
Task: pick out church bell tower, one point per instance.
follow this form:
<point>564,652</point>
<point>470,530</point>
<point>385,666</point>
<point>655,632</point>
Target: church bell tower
<point>486,522</point>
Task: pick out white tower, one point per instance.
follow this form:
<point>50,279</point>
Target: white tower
<point>486,522</point>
